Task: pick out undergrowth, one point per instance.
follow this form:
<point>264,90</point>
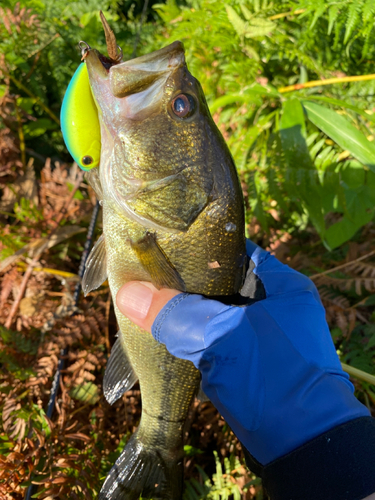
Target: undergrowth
<point>311,205</point>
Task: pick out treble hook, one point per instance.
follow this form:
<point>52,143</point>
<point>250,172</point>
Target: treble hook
<point>85,47</point>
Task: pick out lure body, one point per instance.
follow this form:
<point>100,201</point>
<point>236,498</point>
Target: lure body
<point>80,122</point>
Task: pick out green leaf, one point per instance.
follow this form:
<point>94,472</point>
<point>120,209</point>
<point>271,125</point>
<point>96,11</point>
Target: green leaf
<point>359,210</point>
<point>87,393</point>
<point>3,89</point>
<point>293,117</point>
<point>245,11</point>
<point>302,177</point>
<point>316,148</point>
<point>39,127</point>
<point>259,27</point>
<point>368,11</point>
<point>190,451</point>
<point>238,24</point>
<point>370,301</point>
<point>343,132</point>
<point>318,13</point>
<point>332,16</point>
<point>343,104</point>
<point>230,99</point>
<point>241,152</point>
<point>263,89</point>
<point>353,18</point>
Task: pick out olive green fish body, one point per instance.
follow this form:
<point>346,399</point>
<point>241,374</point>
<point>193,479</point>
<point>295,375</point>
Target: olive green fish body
<point>172,215</point>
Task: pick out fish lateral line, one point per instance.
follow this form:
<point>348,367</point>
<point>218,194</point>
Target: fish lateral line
<point>161,418</point>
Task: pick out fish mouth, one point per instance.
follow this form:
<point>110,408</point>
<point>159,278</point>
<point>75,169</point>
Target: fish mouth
<point>106,61</point>
<point>140,79</point>
<point>164,60</point>
<point>154,64</point>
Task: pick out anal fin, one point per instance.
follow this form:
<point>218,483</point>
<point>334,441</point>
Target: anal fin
<point>96,267</point>
<point>119,375</point>
<point>156,263</point>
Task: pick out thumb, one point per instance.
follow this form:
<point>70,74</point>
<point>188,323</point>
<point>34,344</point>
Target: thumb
<point>141,302</point>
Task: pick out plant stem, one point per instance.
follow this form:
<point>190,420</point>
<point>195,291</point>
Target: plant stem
<point>355,372</point>
<point>342,265</point>
<point>286,14</point>
<point>328,81</point>
<point>21,135</point>
<point>38,254</point>
<point>48,270</point>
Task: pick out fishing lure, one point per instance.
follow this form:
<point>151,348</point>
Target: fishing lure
<point>80,122</point>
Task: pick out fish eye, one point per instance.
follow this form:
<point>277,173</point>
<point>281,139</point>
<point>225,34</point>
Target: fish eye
<point>87,160</point>
<point>183,105</point>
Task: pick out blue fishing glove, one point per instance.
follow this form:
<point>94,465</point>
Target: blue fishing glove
<point>270,368</point>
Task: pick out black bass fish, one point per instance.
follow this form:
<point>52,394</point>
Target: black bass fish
<point>173,215</point>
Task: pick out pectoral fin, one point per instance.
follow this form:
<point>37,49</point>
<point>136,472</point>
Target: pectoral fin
<point>157,264</point>
<point>96,267</point>
<point>119,376</point>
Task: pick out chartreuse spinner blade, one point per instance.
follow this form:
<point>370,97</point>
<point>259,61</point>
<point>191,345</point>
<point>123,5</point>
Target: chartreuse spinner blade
<point>80,122</point>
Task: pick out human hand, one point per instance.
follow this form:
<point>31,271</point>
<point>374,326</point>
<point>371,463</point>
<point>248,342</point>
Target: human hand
<point>270,368</point>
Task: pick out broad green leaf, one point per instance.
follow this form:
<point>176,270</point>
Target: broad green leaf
<point>293,117</point>
<point>342,104</point>
<point>230,99</point>
<point>359,210</point>
<point>302,177</point>
<point>264,90</point>
<point>342,231</point>
<point>343,132</point>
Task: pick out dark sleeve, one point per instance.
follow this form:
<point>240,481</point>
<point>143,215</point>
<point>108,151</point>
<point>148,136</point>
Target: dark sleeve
<point>337,465</point>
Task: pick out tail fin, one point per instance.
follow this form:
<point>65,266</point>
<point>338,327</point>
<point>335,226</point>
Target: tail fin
<point>141,471</point>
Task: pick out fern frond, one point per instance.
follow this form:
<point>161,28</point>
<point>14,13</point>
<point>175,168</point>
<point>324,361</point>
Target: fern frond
<point>352,20</point>
<point>333,13</point>
<point>368,12</point>
<point>332,296</point>
<point>368,39</point>
<point>319,11</point>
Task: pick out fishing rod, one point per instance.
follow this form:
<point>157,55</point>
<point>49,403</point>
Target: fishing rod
<point>63,353</point>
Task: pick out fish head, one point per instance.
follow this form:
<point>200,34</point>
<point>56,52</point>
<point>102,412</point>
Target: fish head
<point>157,134</point>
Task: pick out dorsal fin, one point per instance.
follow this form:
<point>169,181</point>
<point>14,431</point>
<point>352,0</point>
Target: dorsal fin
<point>96,267</point>
<point>119,376</point>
